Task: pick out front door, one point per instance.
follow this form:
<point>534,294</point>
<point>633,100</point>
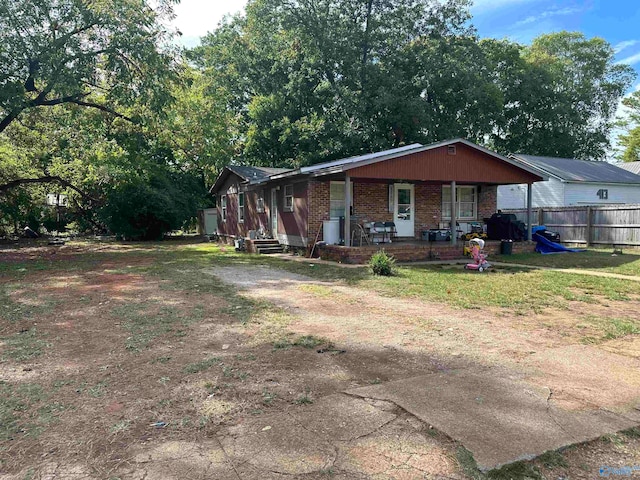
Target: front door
<point>274,213</point>
<point>404,209</point>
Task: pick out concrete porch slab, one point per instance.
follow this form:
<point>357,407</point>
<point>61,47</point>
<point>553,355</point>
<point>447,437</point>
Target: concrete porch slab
<point>499,420</point>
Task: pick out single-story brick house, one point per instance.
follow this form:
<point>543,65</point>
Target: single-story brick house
<point>411,186</point>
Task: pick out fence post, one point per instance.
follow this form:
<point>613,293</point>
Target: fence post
<point>540,216</point>
<point>587,232</point>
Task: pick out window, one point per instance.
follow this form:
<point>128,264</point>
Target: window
<point>466,203</point>
<point>451,149</point>
<point>223,203</point>
<point>288,198</point>
<point>241,207</point>
<point>336,199</point>
<point>260,201</point>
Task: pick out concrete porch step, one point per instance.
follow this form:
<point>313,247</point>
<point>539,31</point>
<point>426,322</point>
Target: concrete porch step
<point>265,241</point>
<point>270,249</point>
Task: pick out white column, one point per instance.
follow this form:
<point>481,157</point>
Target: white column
<point>529,210</point>
<point>453,213</point>
<point>347,210</point>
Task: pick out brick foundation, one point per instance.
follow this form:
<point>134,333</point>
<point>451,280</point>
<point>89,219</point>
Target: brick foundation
<point>413,252</point>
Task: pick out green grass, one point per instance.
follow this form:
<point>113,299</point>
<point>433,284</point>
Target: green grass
<point>26,410</point>
<point>309,341</point>
<point>528,290</point>
<point>202,366</point>
<point>12,311</point>
<point>611,328</point>
<point>600,260</point>
<point>531,290</point>
<point>23,346</point>
<point>143,325</point>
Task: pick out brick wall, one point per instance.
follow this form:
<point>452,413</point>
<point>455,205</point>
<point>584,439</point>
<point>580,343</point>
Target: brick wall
<point>487,201</point>
<point>371,203</point>
<point>318,206</point>
<point>428,207</point>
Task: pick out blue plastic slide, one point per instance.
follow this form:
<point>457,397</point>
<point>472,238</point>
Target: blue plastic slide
<point>546,246</point>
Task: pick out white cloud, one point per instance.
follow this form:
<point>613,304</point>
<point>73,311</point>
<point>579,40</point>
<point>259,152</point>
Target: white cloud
<point>195,18</point>
<point>632,60</point>
<point>547,14</point>
<point>625,44</point>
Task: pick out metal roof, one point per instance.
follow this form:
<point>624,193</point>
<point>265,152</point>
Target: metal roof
<point>633,167</point>
<point>251,173</point>
<point>247,173</point>
<point>572,170</point>
<point>361,158</point>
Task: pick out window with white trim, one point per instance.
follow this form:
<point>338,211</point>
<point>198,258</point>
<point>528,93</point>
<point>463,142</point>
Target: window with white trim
<point>288,198</point>
<point>336,200</point>
<point>466,202</point>
<point>223,204</point>
<point>241,207</point>
<point>260,201</point>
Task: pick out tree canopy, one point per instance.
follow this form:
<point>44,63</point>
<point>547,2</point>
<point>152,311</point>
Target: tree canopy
<point>630,141</point>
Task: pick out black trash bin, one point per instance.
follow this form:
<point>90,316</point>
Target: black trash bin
<point>506,247</point>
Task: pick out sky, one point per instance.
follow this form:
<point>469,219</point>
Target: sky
<point>616,21</point>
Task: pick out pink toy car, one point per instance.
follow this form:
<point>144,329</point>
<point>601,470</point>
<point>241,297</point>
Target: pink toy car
<point>477,254</point>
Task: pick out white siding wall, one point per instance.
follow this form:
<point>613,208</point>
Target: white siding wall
<point>545,194</point>
<point>587,194</point>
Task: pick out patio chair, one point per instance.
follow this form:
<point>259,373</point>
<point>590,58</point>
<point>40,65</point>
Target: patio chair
<point>378,231</point>
<point>390,229</point>
<point>359,234</point>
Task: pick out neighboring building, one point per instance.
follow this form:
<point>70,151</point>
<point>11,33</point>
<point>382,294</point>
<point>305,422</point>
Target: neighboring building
<point>572,182</point>
<point>410,186</point>
<point>633,167</point>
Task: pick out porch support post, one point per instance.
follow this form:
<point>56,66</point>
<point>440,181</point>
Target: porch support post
<point>347,210</point>
<point>453,213</point>
<point>529,210</point>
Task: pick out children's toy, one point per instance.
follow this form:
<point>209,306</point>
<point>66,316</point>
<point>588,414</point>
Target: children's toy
<point>479,257</point>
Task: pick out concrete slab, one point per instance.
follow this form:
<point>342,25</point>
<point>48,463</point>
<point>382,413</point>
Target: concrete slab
<point>499,419</point>
<point>340,417</point>
<point>301,441</point>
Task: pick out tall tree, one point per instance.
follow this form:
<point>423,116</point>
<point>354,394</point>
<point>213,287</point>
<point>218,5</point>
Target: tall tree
<point>630,140</point>
<point>104,55</point>
<point>560,95</point>
<point>315,80</point>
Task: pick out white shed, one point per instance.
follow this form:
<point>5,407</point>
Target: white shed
<point>572,182</point>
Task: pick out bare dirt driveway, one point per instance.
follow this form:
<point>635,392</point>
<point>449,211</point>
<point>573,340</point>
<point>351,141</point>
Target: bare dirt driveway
<point>163,361</point>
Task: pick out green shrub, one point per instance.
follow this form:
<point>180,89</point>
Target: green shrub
<point>148,206</point>
<point>382,264</point>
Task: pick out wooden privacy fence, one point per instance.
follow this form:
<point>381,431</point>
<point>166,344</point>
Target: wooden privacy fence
<point>598,225</point>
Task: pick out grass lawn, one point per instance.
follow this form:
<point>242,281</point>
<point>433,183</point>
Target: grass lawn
<point>105,348</point>
<point>626,264</point>
<point>503,287</point>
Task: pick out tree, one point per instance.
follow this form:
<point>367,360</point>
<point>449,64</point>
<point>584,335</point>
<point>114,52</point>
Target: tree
<point>316,80</point>
<point>104,55</point>
<point>560,95</point>
<point>630,141</point>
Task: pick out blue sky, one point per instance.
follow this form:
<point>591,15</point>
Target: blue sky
<point>616,21</point>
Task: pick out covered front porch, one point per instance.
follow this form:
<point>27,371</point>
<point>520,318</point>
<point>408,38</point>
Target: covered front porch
<point>449,187</point>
